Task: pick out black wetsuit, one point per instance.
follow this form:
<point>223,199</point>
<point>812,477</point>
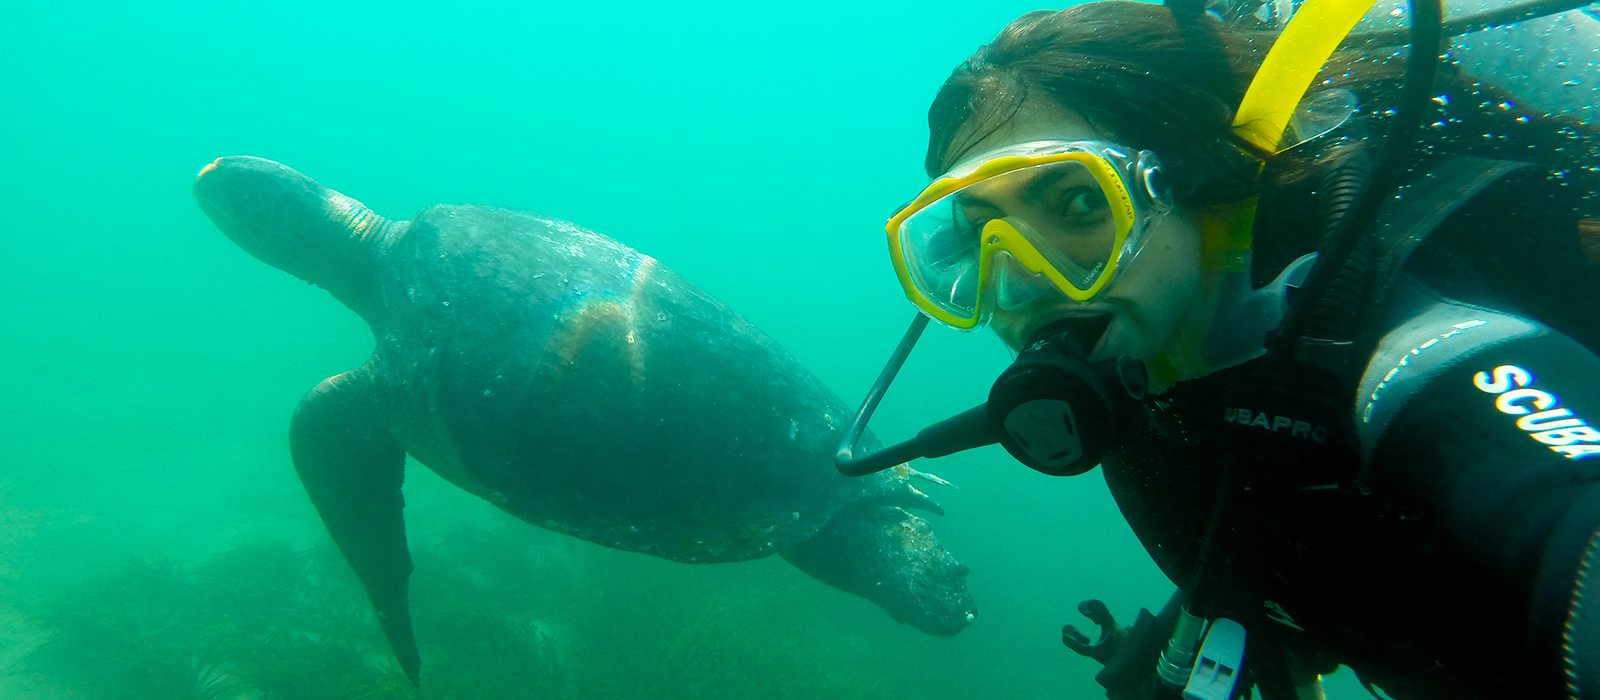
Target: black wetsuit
<point>1446,549</point>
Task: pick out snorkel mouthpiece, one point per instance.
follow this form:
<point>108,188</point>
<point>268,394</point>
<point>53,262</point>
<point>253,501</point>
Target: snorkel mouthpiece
<point>1057,412</point>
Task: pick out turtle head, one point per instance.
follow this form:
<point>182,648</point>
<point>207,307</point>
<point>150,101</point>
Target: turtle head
<point>924,586</point>
<point>293,223</point>
<point>891,557</point>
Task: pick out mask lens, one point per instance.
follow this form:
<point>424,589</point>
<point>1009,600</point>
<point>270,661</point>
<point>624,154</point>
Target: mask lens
<point>1014,286</point>
<point>941,253</point>
<point>1069,218</point>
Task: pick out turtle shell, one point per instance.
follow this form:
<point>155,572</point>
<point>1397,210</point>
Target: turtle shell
<point>584,387</point>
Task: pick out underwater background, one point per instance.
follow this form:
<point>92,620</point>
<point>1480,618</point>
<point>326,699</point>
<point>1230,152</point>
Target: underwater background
<point>154,539</point>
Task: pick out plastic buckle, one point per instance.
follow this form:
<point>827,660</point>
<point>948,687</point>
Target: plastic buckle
<point>1216,670</point>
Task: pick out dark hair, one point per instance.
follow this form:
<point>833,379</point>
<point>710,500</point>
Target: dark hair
<point>1172,88</point>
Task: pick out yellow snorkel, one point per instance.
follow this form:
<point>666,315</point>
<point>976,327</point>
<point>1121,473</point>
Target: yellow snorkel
<point>1262,119</point>
<point>1299,53</point>
<point>1327,342</point>
<point>1263,115</point>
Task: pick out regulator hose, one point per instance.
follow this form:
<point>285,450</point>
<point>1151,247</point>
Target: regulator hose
<point>1488,19</point>
<point>1336,316</point>
<point>1294,342</point>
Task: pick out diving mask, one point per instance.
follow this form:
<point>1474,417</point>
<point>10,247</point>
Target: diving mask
<point>1012,224</point>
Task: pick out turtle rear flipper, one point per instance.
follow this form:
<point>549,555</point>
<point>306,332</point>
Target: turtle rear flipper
<point>352,467</point>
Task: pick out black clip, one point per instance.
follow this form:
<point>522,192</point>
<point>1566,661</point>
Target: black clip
<point>1111,633</point>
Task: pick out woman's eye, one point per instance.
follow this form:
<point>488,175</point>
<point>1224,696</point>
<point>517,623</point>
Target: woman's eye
<point>1083,202</point>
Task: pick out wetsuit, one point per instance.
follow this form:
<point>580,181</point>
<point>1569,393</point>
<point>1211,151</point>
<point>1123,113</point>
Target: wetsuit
<point>1447,547</point>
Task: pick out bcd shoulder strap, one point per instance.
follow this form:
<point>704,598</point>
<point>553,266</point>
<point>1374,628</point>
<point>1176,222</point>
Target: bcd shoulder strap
<point>1405,221</point>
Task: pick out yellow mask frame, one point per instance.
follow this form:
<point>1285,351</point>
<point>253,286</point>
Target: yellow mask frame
<point>999,235</point>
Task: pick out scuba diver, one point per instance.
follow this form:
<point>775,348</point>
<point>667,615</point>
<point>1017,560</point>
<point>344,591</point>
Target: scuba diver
<point>1324,311</point>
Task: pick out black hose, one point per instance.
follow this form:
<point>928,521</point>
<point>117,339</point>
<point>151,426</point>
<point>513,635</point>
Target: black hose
<point>1338,190</point>
<point>1488,19</point>
<point>963,431</point>
<point>846,460</point>
<point>1393,160</point>
<point>1337,315</point>
<point>1205,577</point>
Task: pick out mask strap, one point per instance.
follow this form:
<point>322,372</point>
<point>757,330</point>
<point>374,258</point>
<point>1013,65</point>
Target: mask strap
<point>1301,50</point>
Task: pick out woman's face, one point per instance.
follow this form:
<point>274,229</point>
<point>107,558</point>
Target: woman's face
<point>1157,290</point>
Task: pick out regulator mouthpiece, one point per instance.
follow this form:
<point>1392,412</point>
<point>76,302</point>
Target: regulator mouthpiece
<point>1057,412</point>
<point>1053,410</point>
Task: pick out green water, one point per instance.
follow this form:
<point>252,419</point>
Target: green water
<point>150,521</point>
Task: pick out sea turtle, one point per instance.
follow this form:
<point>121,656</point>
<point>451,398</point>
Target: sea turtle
<point>578,385</point>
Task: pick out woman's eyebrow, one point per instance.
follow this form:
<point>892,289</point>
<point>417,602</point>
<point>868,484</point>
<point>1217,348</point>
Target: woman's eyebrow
<point>1036,189</point>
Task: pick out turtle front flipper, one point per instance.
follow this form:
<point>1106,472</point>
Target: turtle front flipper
<point>352,467</point>
<point>889,556</point>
